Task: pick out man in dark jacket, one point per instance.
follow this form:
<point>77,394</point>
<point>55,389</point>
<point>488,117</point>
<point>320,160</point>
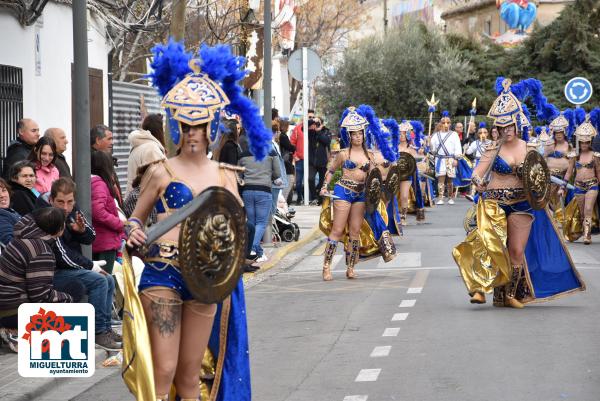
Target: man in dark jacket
<point>60,140</point>
<point>319,139</point>
<point>28,135</point>
<point>71,264</point>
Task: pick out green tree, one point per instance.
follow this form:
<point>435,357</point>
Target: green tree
<point>396,73</point>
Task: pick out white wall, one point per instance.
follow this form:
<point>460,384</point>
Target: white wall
<point>47,97</point>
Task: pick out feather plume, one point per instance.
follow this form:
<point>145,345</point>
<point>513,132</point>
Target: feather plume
<point>595,118</point>
<point>394,128</point>
<point>419,129</point>
<point>170,65</point>
<point>227,69</point>
<point>375,134</point>
<point>344,137</point>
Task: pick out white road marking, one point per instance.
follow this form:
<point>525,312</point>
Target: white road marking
<point>356,398</point>
<point>381,351</point>
<point>407,303</point>
<point>404,259</point>
<point>399,316</point>
<point>414,290</point>
<point>368,375</point>
<point>391,332</point>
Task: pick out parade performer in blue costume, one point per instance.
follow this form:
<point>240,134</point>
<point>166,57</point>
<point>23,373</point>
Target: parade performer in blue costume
<point>477,148</point>
<point>515,251</point>
<point>380,142</point>
<point>410,145</point>
<point>180,328</point>
<point>447,150</point>
<point>584,167</point>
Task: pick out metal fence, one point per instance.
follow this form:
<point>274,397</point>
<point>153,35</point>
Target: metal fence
<point>11,106</point>
<point>127,116</point>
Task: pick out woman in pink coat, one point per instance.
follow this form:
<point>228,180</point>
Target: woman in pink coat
<point>43,156</point>
<point>105,216</point>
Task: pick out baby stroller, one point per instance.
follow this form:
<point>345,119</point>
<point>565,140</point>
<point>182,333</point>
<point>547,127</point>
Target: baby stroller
<point>283,227</point>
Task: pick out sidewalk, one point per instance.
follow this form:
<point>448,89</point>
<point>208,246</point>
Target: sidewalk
<point>307,218</point>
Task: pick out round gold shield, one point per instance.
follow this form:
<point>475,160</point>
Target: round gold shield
<point>212,246</point>
<point>536,180</point>
<point>407,165</point>
<point>373,187</point>
<point>392,181</point>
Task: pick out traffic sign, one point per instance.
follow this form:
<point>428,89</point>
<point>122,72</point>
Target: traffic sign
<point>295,65</point>
<point>578,90</point>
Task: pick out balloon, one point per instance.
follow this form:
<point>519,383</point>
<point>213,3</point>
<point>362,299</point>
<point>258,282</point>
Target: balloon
<point>517,17</point>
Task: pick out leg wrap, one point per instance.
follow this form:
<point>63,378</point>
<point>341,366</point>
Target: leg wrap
<point>511,288</point>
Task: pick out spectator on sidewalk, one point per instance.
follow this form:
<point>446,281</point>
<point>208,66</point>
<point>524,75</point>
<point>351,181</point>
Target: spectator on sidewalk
<point>22,181</point>
<point>60,140</point>
<point>256,193</point>
<point>27,267</point>
<point>105,215</point>
<point>72,265</point>
<point>287,151</point>
<point>297,139</point>
<point>101,138</point>
<point>28,133</point>
<point>276,189</point>
<point>43,156</point>
<point>319,139</point>
<point>8,216</point>
<point>228,151</point>
<point>146,144</point>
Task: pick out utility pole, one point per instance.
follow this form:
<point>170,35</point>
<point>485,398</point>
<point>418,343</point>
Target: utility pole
<point>177,27</point>
<point>268,237</point>
<point>81,100</point>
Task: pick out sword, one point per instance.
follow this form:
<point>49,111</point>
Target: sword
<point>562,183</point>
<point>164,226</point>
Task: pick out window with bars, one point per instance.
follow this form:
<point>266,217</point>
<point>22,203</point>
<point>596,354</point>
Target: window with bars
<point>11,105</point>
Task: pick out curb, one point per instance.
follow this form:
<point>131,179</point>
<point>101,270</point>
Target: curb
<point>277,256</point>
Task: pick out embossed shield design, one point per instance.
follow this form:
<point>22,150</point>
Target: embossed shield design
<point>392,181</point>
<point>212,246</point>
<point>536,180</point>
<point>373,187</point>
<point>407,165</point>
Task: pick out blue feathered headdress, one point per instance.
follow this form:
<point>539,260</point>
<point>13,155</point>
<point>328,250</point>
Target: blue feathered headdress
<point>394,128</point>
<point>532,88</point>
<point>374,134</point>
<point>171,65</point>
<point>418,129</point>
<point>445,113</point>
<point>575,117</point>
<point>482,125</point>
<point>595,118</point>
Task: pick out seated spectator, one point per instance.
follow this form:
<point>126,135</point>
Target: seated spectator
<point>105,215</point>
<point>72,265</point>
<point>43,156</point>
<point>22,181</point>
<point>8,217</point>
<point>147,146</point>
<point>27,267</point>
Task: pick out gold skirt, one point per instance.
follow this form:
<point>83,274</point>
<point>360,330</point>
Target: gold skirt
<point>482,258</point>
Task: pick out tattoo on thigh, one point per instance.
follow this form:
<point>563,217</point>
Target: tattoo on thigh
<point>165,315</point>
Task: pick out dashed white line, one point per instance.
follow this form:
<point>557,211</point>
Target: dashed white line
<point>399,316</point>
<point>381,351</point>
<point>368,375</point>
<point>356,398</point>
<point>414,290</point>
<point>407,303</point>
<point>391,332</point>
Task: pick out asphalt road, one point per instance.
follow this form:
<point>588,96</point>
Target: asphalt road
<point>406,331</point>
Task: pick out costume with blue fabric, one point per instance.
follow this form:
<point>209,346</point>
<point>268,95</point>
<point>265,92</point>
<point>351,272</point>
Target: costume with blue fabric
<point>483,259</point>
<point>581,213</point>
<point>195,92</point>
